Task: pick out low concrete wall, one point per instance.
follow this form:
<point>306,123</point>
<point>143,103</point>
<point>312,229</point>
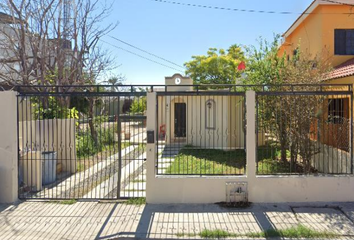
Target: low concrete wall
<point>261,189</point>
<point>188,189</point>
<point>302,189</point>
<point>8,147</point>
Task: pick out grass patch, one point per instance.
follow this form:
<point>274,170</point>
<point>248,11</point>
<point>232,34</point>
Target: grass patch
<point>186,235</point>
<point>299,231</point>
<point>272,166</point>
<point>215,234</point>
<point>64,202</point>
<point>136,201</point>
<point>269,161</point>
<point>208,161</point>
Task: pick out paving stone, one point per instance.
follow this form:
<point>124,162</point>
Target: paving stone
<point>325,219</point>
<point>92,220</point>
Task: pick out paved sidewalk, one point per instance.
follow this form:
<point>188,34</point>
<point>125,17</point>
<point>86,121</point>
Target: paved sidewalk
<point>92,220</point>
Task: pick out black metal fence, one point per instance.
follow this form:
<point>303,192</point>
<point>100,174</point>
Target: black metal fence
<point>81,142</point>
<point>201,130</point>
<point>89,141</point>
<point>305,129</point>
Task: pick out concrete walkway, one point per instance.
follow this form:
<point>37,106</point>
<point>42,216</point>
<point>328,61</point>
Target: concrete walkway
<point>111,183</point>
<point>91,220</point>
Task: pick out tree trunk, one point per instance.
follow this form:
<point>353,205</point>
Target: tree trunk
<point>283,151</point>
<point>293,157</point>
<point>283,141</point>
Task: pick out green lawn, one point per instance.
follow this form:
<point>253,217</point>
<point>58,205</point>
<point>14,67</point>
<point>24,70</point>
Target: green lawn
<point>193,161</point>
<point>208,161</point>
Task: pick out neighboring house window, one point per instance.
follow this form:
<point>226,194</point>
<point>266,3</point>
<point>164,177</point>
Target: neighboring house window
<point>210,114</point>
<point>335,110</point>
<point>344,41</point>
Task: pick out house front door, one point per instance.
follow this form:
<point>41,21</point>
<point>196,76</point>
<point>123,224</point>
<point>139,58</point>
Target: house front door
<point>180,120</point>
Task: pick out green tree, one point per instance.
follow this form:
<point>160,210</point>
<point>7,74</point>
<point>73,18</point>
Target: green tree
<point>266,67</point>
<point>288,119</point>
<point>217,67</point>
<point>264,64</point>
<point>115,81</point>
<point>139,105</point>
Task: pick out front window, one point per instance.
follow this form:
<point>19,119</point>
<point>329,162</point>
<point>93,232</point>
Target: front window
<point>335,111</point>
<point>344,41</point>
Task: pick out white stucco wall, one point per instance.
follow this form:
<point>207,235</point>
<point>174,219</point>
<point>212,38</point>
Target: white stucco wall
<point>261,189</point>
<point>8,148</point>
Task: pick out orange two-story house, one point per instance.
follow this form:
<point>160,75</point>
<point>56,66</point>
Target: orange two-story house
<point>327,27</point>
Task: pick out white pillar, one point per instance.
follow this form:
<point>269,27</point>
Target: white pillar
<point>151,147</point>
<point>8,147</point>
<point>251,136</point>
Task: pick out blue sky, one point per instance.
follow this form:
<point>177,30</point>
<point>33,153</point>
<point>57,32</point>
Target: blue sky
<point>177,32</point>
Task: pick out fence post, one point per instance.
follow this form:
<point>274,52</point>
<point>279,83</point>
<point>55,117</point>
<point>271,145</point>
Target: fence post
<point>251,141</point>
<point>150,147</point>
<point>8,147</point>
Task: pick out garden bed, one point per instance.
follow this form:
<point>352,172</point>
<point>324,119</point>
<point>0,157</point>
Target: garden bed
<point>269,162</point>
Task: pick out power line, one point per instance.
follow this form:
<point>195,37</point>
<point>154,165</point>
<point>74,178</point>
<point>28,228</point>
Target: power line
<point>238,9</point>
<point>154,55</point>
<point>138,55</point>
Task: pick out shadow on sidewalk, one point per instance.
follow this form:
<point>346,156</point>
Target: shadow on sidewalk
<point>181,221</point>
<point>161,221</point>
<point>115,220</point>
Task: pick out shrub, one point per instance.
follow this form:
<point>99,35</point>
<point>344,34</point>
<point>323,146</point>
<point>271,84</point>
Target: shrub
<point>138,105</point>
<point>85,145</point>
<point>53,109</point>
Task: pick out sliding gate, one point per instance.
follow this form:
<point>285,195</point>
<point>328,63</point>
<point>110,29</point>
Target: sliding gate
<point>81,142</point>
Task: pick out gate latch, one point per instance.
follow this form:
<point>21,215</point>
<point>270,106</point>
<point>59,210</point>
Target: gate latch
<point>150,136</point>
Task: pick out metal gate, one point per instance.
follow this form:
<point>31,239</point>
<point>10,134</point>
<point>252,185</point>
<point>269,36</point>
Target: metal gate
<point>80,142</point>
